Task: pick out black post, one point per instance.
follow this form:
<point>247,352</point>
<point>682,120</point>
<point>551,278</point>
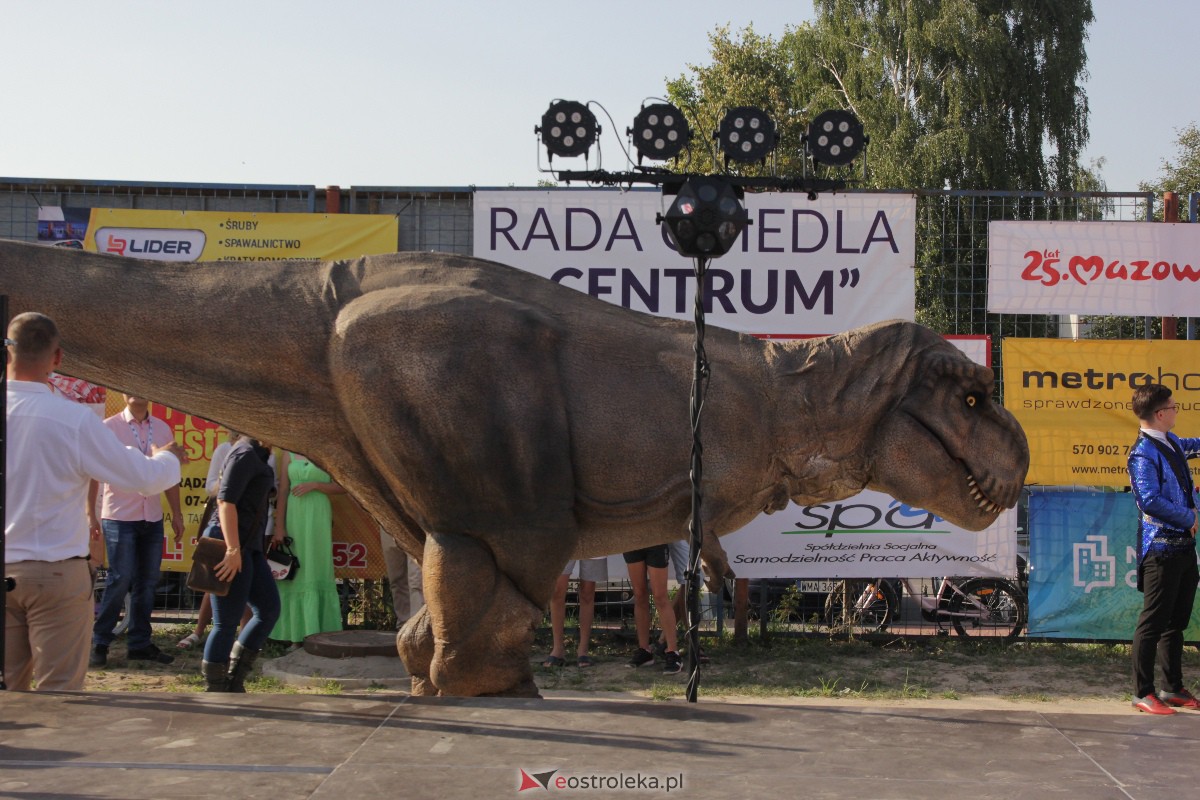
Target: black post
<point>3,486</point>
<point>695,528</point>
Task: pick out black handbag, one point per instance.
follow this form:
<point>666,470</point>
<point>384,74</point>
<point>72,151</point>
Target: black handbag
<point>283,562</point>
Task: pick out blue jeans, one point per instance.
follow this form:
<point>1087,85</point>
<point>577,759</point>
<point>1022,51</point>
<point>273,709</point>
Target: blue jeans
<point>134,557</point>
<point>253,585</point>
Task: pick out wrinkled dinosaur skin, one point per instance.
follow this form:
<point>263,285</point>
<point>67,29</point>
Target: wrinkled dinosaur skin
<point>496,423</point>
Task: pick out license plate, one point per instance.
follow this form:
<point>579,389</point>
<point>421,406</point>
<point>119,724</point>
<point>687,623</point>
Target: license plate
<point>816,587</point>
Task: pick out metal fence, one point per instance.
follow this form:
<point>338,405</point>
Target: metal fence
<point>951,230</point>
<point>951,239</point>
<point>951,274</point>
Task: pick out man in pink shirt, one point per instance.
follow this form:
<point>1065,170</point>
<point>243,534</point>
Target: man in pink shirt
<point>132,526</point>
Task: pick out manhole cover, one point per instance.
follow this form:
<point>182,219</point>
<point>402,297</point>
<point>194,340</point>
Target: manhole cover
<point>352,644</point>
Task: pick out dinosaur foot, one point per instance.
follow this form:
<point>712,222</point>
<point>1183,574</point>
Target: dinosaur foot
<point>475,634</point>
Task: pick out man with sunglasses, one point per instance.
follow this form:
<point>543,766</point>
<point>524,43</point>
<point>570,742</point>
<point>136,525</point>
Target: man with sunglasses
<point>1166,549</point>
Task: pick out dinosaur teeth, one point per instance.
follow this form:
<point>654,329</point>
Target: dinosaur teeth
<point>979,497</point>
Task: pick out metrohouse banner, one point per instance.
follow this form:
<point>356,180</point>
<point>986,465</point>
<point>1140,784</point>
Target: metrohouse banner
<point>238,236</point>
<point>1123,268</point>
<point>1083,580</point>
<point>1074,400</point>
<point>801,266</point>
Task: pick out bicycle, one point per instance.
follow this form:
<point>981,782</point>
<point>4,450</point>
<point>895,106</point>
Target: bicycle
<point>989,607</point>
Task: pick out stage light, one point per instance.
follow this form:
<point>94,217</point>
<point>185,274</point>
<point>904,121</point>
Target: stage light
<point>568,129</point>
<point>659,132</point>
<point>746,134</point>
<point>835,138</point>
<point>706,217</point>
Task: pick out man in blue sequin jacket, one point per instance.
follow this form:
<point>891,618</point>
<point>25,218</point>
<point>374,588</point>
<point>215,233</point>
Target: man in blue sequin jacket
<point>1167,573</point>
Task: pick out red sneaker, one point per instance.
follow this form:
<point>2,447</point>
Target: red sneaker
<point>1181,699</point>
<point>1152,705</point>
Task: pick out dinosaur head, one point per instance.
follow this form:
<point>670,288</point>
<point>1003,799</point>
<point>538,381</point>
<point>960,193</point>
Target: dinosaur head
<point>943,444</point>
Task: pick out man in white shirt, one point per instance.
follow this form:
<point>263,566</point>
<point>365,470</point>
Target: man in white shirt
<point>55,447</point>
<point>132,526</point>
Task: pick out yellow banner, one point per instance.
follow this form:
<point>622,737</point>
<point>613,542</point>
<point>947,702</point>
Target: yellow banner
<point>242,236</point>
<point>238,235</point>
<point>1074,400</point>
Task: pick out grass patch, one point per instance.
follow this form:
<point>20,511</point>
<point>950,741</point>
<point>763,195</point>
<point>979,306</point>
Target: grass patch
<point>267,685</point>
<point>868,668</point>
<point>666,691</point>
<point>764,666</point>
<point>1029,697</point>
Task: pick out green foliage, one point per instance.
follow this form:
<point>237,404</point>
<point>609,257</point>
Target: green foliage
<point>750,70</point>
<point>1092,209</point>
<point>1181,176</point>
<point>954,94</point>
<point>969,94</point>
<point>788,607</point>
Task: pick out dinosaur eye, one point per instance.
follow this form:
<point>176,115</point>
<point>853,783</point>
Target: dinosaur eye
<point>973,399</point>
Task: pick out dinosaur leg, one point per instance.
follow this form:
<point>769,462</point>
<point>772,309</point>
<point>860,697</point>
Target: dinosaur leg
<point>482,624</point>
<point>476,444</point>
<point>415,643</point>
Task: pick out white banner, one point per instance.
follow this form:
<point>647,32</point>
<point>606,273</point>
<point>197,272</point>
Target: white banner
<point>869,535</point>
<point>1124,268</point>
<point>801,266</point>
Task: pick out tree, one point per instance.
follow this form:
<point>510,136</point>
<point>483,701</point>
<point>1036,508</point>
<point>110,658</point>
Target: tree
<point>971,94</point>
<point>1183,176</point>
<point>958,94</point>
<point>1088,179</point>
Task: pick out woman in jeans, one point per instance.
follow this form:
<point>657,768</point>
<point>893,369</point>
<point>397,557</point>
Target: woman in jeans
<point>242,503</point>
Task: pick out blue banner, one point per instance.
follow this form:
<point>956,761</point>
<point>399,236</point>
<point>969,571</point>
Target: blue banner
<point>1083,567</point>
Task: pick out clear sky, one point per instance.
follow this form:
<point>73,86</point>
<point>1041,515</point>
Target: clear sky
<point>441,93</point>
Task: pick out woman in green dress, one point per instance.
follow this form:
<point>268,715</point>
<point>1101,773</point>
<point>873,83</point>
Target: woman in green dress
<point>310,601</point>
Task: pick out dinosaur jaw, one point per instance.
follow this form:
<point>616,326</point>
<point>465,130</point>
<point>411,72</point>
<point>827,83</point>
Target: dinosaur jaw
<point>924,464</point>
<point>966,507</point>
